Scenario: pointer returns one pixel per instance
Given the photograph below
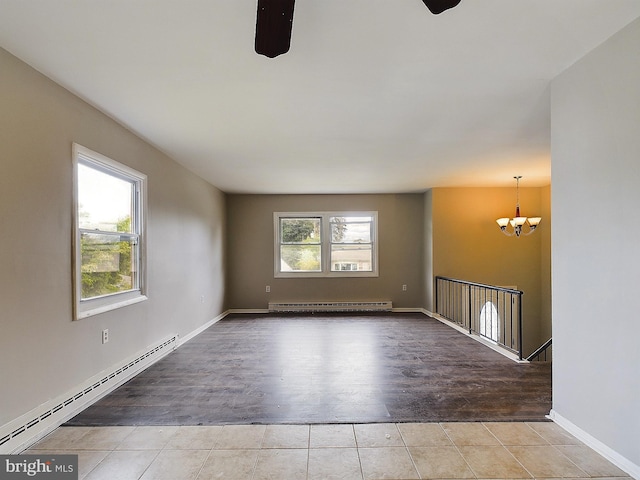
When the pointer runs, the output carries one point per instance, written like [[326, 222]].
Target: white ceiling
[[375, 96]]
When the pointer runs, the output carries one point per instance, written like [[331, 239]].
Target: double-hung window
[[108, 233], [325, 244]]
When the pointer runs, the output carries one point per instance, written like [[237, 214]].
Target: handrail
[[540, 350], [492, 312], [482, 285]]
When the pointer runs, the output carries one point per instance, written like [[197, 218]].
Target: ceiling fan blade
[[274, 22], [439, 6]]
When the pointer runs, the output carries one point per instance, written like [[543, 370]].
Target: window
[[108, 233], [300, 245], [327, 244], [351, 243], [489, 321]]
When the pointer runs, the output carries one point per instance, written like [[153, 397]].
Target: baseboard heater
[[35, 424], [330, 307]]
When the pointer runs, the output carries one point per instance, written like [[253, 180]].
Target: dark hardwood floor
[[328, 368]]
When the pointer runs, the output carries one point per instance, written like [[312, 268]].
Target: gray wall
[[250, 252], [545, 266], [595, 142], [43, 352], [428, 299]]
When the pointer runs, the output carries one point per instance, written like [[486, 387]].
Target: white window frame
[[84, 308], [325, 235]]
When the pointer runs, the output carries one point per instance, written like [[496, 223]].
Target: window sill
[[89, 310]]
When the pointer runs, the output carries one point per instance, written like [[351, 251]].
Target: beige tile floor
[[324, 452]]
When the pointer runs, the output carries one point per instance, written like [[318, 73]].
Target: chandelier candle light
[[518, 221]]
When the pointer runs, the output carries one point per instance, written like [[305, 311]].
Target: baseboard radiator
[[330, 307], [34, 425]]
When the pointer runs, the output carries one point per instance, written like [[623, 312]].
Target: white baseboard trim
[[407, 310], [477, 338], [614, 457], [202, 328], [255, 311]]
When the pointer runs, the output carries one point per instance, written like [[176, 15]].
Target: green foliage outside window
[[301, 257], [338, 229], [300, 239], [106, 262], [300, 230]]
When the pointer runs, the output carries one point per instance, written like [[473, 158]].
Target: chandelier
[[518, 221]]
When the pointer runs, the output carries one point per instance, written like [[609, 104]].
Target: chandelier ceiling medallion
[[518, 221]]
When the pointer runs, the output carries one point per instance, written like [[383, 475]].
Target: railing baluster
[[504, 319], [509, 308], [520, 328], [469, 289], [463, 302]]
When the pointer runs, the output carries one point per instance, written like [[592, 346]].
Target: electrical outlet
[[267, 289], [404, 288], [201, 298], [105, 335]]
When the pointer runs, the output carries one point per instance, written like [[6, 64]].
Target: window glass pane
[[104, 201], [325, 244], [350, 219], [300, 258], [300, 230], [108, 264], [344, 230], [351, 257]]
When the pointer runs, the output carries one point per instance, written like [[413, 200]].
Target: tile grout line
[[506, 447], [555, 447], [308, 449], [260, 448], [406, 447], [96, 443], [475, 475], [509, 451], [355, 439], [203, 463], [149, 466]]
